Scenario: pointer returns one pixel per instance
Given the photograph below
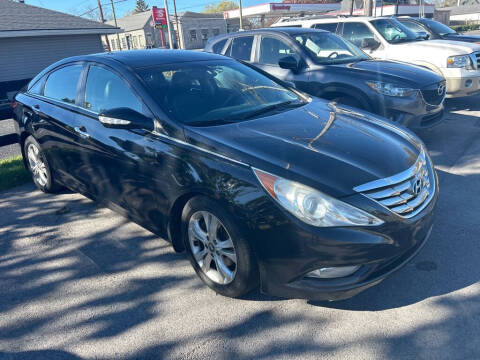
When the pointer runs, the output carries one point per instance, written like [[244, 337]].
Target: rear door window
[[332, 27], [241, 48], [272, 50], [62, 84], [106, 90], [355, 32]]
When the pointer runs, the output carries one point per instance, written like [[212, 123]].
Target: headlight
[[312, 206], [461, 61], [389, 89]]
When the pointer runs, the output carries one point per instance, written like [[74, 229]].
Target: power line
[[104, 4]]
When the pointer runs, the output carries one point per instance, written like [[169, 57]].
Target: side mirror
[[289, 63], [11, 95], [125, 118], [370, 44], [423, 35]]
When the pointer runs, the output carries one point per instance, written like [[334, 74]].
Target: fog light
[[468, 83], [333, 272]]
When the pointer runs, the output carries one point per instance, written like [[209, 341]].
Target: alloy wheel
[[212, 247], [37, 165]]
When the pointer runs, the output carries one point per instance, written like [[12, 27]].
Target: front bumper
[[287, 253], [412, 111], [461, 82]]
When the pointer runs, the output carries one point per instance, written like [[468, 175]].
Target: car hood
[[445, 47], [403, 73], [329, 148], [461, 37]]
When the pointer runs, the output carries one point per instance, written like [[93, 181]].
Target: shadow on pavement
[[40, 259]]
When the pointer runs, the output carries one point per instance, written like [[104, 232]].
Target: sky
[[78, 7]]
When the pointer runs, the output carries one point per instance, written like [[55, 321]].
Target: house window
[[112, 44], [193, 35], [204, 34], [118, 44], [135, 42], [216, 32], [141, 42], [124, 43]]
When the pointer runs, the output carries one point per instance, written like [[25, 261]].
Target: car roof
[[150, 57], [287, 30], [327, 20]]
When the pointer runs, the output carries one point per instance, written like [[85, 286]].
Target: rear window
[[218, 46], [37, 87], [242, 48], [332, 27]]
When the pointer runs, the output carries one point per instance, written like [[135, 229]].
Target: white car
[[386, 38]]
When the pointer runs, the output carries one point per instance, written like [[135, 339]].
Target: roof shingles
[[16, 16]]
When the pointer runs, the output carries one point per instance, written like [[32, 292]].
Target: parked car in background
[[324, 65], [433, 30], [386, 38], [260, 183]]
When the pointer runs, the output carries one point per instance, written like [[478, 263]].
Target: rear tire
[[39, 167], [217, 250]]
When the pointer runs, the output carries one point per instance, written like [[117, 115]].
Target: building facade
[[190, 31], [31, 38]]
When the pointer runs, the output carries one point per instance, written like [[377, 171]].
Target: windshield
[[393, 31], [216, 92], [439, 28], [326, 48]]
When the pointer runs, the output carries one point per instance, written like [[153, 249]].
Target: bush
[[467, 27]]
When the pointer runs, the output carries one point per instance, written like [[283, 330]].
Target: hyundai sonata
[[261, 184]]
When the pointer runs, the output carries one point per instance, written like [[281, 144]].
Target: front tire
[[38, 166], [216, 248]]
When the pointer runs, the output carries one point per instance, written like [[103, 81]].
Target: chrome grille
[[406, 193], [435, 94], [477, 59]]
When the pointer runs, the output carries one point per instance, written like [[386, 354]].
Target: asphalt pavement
[[78, 281]]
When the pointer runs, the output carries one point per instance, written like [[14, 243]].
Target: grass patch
[[13, 173]]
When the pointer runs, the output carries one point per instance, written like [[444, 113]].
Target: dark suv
[[324, 65], [434, 30]]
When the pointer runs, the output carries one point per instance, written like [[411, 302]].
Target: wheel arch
[[331, 92], [174, 226], [21, 140]]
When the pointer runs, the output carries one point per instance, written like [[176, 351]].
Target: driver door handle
[[80, 130]]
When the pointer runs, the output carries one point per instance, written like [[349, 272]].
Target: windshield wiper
[[272, 107], [212, 122]]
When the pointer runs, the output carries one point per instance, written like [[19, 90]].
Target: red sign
[[159, 16]]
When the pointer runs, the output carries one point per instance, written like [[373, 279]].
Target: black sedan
[[258, 182], [434, 30]]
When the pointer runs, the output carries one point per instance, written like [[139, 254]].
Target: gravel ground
[[81, 282]]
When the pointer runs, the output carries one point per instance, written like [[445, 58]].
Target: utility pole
[[179, 36], [352, 2], [367, 7], [100, 11], [102, 20], [115, 22], [241, 20], [170, 40]]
